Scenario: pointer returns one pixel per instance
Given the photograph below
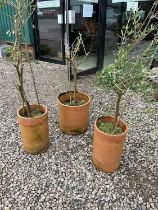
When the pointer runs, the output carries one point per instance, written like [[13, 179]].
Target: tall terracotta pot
[[73, 119], [34, 131], [107, 149]]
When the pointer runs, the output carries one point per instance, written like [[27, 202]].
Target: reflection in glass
[[116, 16], [87, 23], [49, 29]]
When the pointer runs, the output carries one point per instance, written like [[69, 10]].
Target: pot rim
[[28, 118], [74, 106], [112, 135]]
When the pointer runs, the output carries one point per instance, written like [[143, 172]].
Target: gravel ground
[[64, 177]]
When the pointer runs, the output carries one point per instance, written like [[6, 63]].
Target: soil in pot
[[75, 103], [73, 115], [107, 127], [34, 113], [108, 148], [34, 131]]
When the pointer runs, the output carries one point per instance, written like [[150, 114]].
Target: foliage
[[11, 56], [107, 127], [44, 49], [131, 66], [75, 103]]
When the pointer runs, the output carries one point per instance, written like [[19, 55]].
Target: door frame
[[102, 20]]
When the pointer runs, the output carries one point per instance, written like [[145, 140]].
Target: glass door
[[50, 28], [114, 15], [85, 21]]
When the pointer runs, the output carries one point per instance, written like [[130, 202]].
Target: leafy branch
[[130, 69]]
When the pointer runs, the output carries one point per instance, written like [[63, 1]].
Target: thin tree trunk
[[18, 53], [34, 83], [75, 82], [117, 112], [32, 74]]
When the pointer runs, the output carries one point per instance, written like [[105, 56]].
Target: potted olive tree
[[128, 72], [73, 106], [33, 118]]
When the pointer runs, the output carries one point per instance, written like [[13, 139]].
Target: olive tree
[[130, 68]]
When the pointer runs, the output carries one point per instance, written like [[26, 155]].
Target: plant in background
[[72, 58], [131, 67], [8, 52], [44, 49]]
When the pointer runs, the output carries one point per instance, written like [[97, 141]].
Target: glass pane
[[115, 18], [49, 29], [87, 23], [113, 25]]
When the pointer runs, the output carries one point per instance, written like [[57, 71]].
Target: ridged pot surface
[[107, 149], [34, 131], [73, 119]]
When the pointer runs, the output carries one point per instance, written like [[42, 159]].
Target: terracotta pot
[[34, 131], [73, 119], [107, 149]]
